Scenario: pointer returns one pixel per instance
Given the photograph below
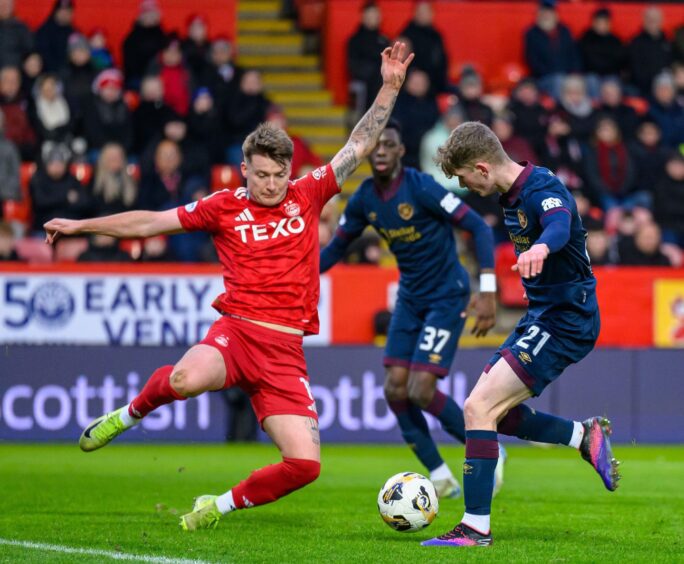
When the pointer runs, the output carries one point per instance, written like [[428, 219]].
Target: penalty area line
[[95, 552]]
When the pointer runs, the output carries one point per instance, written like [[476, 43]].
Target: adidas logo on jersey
[[246, 215]]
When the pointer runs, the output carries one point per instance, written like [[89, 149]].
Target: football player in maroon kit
[[266, 237]]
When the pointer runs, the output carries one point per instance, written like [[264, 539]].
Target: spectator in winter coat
[[9, 168], [77, 78], [55, 192], [196, 47], [175, 76], [550, 50], [151, 115], [649, 52], [101, 56], [15, 109], [648, 155], [51, 114], [665, 110], [603, 54], [428, 46], [53, 35], [362, 56], [113, 189], [143, 43], [530, 118], [16, 40], [107, 118], [668, 208], [204, 125]]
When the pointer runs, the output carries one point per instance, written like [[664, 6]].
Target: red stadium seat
[[33, 250], [132, 99], [20, 211], [510, 287], [68, 250], [134, 171], [640, 105], [83, 172], [225, 176]]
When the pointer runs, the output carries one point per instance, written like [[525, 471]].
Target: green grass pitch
[[127, 499]]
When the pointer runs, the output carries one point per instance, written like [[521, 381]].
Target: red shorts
[[268, 365]]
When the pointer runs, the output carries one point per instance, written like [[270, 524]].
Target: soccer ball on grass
[[408, 502]]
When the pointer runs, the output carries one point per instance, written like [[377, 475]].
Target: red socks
[[156, 392], [275, 481]]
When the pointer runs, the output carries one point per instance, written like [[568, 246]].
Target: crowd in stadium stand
[[606, 116]]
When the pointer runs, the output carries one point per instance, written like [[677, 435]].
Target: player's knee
[[394, 391], [302, 471], [475, 411], [420, 394], [182, 383]]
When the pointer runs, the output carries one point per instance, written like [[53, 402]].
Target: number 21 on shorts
[[529, 338]]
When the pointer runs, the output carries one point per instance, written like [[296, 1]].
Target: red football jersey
[[270, 255]]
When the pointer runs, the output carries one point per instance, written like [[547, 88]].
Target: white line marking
[[93, 552]]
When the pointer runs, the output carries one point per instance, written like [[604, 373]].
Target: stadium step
[[301, 97], [264, 27], [292, 81], [312, 115], [320, 133], [290, 44], [261, 9], [276, 63]]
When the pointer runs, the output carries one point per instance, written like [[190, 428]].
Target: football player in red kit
[[266, 236]]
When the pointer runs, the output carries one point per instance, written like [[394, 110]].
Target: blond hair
[[469, 143]]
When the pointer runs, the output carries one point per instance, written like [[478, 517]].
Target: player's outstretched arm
[[365, 135], [127, 225]]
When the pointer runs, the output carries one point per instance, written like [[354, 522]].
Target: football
[[408, 502]]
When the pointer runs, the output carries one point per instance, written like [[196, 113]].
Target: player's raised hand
[[57, 227], [530, 262], [395, 61], [483, 307]]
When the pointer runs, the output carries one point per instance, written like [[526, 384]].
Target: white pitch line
[[93, 552]]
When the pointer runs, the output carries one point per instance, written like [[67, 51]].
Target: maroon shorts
[[268, 365]]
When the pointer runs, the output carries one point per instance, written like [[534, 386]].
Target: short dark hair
[[469, 143], [395, 124], [269, 140]]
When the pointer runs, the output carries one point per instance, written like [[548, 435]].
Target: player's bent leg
[[495, 393], [415, 431], [298, 439], [202, 368], [422, 392]]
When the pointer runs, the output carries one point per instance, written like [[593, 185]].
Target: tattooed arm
[[365, 135]]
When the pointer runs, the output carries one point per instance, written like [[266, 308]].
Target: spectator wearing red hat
[[107, 118], [52, 37], [196, 47], [175, 76], [143, 43]]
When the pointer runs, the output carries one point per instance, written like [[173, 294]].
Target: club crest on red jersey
[[292, 208], [319, 173]]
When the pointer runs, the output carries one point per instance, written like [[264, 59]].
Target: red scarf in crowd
[[612, 163]]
